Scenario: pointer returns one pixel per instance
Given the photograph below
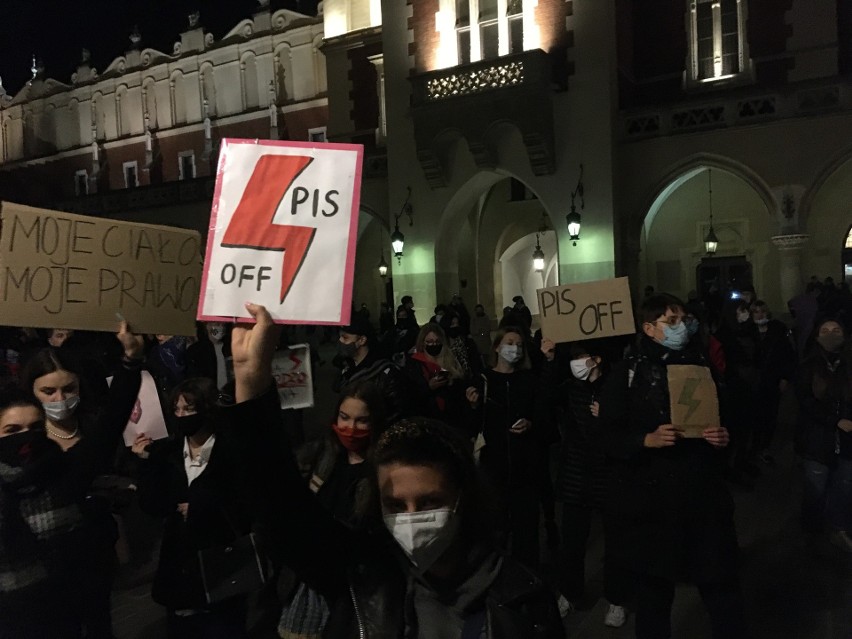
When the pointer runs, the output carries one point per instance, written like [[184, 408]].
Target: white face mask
[[61, 410], [511, 353], [763, 321], [581, 369], [424, 536]]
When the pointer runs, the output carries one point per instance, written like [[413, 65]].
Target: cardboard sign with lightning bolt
[[282, 231], [694, 401]]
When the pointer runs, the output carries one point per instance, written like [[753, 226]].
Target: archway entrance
[[673, 258]]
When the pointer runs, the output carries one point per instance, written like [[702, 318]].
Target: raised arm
[[303, 535]]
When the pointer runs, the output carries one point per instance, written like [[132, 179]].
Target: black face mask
[[188, 425], [433, 349], [347, 350], [21, 448]]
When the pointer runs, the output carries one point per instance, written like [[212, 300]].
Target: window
[[131, 175], [718, 47], [463, 30], [317, 134], [186, 165], [498, 29], [515, 16], [81, 182]]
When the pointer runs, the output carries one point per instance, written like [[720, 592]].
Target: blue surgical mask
[[675, 337]]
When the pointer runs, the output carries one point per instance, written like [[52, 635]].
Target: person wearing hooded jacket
[[427, 567], [672, 512]]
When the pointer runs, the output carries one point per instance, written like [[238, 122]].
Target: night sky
[[57, 30]]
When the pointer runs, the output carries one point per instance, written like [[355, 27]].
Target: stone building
[[486, 124], [139, 140], [488, 109]]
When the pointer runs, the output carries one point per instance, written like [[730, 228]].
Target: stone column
[[790, 263]]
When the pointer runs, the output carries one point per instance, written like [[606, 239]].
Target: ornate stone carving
[[790, 242]]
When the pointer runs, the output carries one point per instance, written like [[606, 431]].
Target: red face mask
[[352, 439]]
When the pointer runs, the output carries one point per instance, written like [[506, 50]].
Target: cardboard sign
[[282, 231], [74, 271], [694, 403], [291, 370], [586, 311], [147, 415]]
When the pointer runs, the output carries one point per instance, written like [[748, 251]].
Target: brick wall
[[424, 48], [550, 17]]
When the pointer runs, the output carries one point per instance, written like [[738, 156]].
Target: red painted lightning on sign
[[251, 225]]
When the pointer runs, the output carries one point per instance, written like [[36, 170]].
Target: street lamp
[[397, 238], [711, 242], [574, 219], [538, 258], [383, 266]]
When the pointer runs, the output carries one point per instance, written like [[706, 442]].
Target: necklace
[[61, 436]]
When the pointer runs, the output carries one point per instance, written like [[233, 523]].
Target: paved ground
[[793, 589]]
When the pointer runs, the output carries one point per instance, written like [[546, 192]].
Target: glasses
[[672, 321]]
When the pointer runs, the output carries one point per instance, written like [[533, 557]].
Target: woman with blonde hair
[[438, 377]]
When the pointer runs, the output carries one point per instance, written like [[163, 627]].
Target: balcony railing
[[478, 77]]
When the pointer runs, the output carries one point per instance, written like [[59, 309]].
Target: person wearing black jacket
[[428, 565], [583, 479], [56, 546], [673, 512], [195, 482], [512, 405], [209, 356], [776, 363], [824, 436], [361, 362]]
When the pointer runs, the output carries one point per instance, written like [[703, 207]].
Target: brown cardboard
[[694, 403], [59, 270], [586, 311]]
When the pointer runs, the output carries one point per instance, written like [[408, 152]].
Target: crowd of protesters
[[419, 511]]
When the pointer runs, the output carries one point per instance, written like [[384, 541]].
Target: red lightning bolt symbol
[[251, 225]]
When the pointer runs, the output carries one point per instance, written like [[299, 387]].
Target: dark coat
[[399, 394], [201, 358], [671, 510], [219, 511], [818, 438], [583, 474], [446, 404], [360, 574]]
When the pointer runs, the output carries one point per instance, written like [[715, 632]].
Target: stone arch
[[284, 73], [464, 245], [208, 88], [746, 215], [826, 172]]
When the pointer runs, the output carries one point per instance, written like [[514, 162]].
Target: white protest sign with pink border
[[283, 230]]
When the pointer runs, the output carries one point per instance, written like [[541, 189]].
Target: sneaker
[[565, 606], [615, 616]]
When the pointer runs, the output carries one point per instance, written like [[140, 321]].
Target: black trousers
[[723, 602], [576, 526]]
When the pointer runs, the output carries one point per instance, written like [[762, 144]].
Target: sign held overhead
[[282, 231], [584, 311]]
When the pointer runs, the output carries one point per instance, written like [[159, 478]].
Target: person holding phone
[[510, 404], [438, 377]]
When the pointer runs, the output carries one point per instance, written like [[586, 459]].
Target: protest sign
[[146, 418], [291, 370], [586, 311], [694, 403], [282, 231], [73, 271]]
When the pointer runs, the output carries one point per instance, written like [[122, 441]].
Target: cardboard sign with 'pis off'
[[588, 310]]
